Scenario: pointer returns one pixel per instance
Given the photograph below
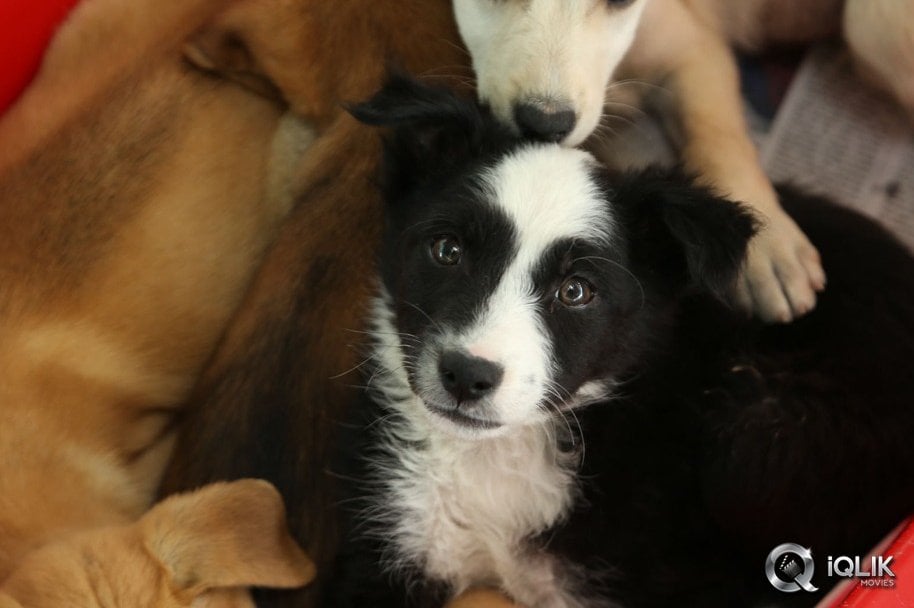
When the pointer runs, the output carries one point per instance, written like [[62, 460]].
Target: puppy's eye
[[618, 3], [446, 250], [575, 291]]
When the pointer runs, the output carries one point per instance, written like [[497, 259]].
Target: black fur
[[435, 133], [728, 437], [737, 437]]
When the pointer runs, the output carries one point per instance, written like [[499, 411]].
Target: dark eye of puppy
[[575, 291], [618, 3], [446, 250]]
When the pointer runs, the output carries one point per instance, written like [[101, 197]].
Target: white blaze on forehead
[[549, 195]]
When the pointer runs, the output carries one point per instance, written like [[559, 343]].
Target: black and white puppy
[[521, 282]]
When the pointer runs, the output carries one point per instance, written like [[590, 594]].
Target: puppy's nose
[[468, 378], [546, 122]]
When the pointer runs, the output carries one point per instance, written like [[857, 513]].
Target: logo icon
[[789, 568]]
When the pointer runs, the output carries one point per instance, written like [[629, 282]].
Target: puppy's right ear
[[683, 232], [226, 535], [432, 129]]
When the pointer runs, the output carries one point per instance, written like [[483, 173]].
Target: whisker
[[382, 333], [634, 109], [353, 368], [630, 82], [380, 420], [625, 120], [556, 389], [425, 314], [462, 50]]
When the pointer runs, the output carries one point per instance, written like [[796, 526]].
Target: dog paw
[[783, 272]]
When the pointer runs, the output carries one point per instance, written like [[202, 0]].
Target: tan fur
[[685, 44], [199, 549], [137, 196], [881, 34], [753, 25]]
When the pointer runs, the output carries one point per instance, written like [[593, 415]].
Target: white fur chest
[[462, 511]]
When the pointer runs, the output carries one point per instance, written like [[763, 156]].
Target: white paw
[[783, 272]]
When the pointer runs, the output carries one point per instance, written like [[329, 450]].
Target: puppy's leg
[[881, 36], [783, 270]]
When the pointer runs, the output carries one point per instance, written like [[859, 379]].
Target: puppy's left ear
[[432, 129], [684, 231], [226, 535]]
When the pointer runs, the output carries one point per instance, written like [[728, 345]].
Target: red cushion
[[26, 27]]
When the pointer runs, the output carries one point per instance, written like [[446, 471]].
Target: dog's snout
[[468, 378], [544, 121]]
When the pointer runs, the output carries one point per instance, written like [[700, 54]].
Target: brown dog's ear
[[224, 53], [222, 48], [226, 535], [279, 51]]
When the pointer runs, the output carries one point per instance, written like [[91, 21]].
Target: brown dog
[[197, 549], [139, 187], [137, 196]]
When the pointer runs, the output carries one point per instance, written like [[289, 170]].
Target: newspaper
[[835, 135]]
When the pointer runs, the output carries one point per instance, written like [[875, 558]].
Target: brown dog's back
[[127, 236]]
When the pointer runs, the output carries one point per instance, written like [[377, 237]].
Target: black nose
[[466, 377], [540, 121]]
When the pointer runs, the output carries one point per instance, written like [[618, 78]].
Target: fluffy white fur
[[522, 50], [461, 510]]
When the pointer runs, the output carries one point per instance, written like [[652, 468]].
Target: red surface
[[902, 595], [26, 27]]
